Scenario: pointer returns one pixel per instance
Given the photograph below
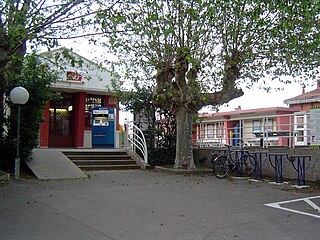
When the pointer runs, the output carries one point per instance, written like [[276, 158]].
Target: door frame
[[300, 129], [56, 136]]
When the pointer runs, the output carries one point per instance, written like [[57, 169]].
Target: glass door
[[300, 129], [61, 124]]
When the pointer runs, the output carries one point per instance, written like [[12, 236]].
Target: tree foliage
[[157, 124], [137, 100], [40, 22], [43, 22], [36, 78], [199, 51], [215, 43]]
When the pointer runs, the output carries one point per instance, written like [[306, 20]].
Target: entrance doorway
[[61, 122]]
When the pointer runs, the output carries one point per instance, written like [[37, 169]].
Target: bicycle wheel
[[245, 166], [221, 166]]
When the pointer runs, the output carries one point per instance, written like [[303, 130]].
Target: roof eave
[[301, 101]]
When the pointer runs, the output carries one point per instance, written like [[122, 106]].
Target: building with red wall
[[292, 126], [249, 125], [306, 120], [306, 100], [81, 86]]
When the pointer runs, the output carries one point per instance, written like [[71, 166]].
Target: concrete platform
[[52, 164]]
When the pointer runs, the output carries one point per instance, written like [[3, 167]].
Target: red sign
[[73, 76]]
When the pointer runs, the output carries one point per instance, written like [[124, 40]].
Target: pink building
[[263, 126], [307, 119], [274, 126], [306, 100]]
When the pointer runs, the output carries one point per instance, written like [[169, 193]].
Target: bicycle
[[238, 160]]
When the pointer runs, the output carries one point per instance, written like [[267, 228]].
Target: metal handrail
[[286, 132], [137, 140]]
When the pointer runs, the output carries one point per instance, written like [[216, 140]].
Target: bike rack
[[278, 164], [277, 161], [260, 161], [229, 151], [238, 153], [301, 167]]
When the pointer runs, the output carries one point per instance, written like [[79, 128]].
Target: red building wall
[[44, 127], [79, 118], [284, 123], [304, 107]]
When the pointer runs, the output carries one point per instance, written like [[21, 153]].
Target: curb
[[182, 171]]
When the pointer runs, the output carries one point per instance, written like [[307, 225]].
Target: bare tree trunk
[[3, 82], [184, 151]]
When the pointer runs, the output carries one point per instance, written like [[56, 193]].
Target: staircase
[[102, 160]]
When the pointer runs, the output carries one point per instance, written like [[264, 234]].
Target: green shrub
[[36, 78]]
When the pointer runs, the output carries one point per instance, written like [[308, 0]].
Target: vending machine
[[103, 127]]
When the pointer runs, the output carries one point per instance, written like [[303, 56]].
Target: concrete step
[[71, 153], [98, 157], [108, 167], [102, 160], [79, 162]]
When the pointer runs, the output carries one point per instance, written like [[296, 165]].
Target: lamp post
[[18, 96]]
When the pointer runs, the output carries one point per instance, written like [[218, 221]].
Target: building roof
[[249, 112], [308, 97], [81, 76]]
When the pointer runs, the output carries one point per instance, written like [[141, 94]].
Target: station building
[[82, 85]]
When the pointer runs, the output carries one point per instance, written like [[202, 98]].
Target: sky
[[253, 98], [258, 98]]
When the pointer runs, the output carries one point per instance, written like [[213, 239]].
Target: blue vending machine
[[103, 127]]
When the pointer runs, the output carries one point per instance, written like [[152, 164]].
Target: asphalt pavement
[[141, 205]]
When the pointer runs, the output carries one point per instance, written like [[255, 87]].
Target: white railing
[[271, 130], [136, 140]]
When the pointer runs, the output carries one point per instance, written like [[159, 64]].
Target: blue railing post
[[260, 159], [278, 165], [301, 171], [278, 168], [301, 167]]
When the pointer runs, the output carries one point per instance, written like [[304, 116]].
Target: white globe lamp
[[18, 96]]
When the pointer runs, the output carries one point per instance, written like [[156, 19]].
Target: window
[[300, 121], [92, 102], [300, 136], [268, 124], [210, 131], [256, 126], [219, 129]]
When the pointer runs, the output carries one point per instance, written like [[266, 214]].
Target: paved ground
[[138, 205]]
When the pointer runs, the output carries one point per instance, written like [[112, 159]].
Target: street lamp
[[18, 96]]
